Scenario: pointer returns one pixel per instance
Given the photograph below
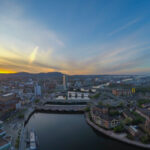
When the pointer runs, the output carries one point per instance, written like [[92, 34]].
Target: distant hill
[[26, 74], [56, 74]]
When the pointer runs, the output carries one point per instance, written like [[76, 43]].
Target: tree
[[121, 104], [21, 116], [142, 101], [87, 109], [127, 121], [37, 101], [100, 103], [138, 119], [129, 136], [96, 96], [113, 112], [108, 105], [119, 128], [145, 139]]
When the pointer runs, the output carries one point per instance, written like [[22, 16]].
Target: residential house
[[133, 130], [100, 117]]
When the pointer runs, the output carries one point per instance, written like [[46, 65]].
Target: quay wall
[[65, 111]]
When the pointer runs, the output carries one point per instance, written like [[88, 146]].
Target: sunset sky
[[75, 36]]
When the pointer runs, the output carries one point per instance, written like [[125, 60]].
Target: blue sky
[[75, 36]]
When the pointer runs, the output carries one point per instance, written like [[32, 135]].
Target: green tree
[[127, 121], [145, 139], [87, 109], [21, 116], [100, 103], [37, 101], [119, 128]]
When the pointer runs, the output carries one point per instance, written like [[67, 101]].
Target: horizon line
[[71, 74]]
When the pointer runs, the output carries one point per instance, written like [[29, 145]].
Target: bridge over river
[[61, 108]]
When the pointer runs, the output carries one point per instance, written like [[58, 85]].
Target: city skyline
[[75, 37]]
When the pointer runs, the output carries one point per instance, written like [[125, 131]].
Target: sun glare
[[6, 71]]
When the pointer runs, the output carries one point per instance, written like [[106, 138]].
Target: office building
[[37, 90]]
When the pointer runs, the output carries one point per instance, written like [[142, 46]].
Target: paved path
[[22, 145]]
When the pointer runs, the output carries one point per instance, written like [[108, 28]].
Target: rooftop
[[3, 142], [8, 94], [105, 116], [133, 128], [144, 111], [1, 131]]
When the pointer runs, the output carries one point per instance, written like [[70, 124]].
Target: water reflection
[[70, 132]]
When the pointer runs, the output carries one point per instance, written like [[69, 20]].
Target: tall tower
[[37, 90], [64, 82]]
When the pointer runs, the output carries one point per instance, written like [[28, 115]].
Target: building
[[133, 90], [101, 109], [8, 102], [84, 89], [147, 126], [72, 95], [100, 117], [147, 105], [133, 130], [5, 141], [146, 114], [1, 124], [65, 82], [78, 84], [143, 112], [121, 92], [5, 144], [2, 132], [129, 115], [37, 90]]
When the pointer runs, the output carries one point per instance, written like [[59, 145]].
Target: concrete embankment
[[115, 136], [28, 116]]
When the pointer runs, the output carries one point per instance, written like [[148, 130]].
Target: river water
[[70, 132]]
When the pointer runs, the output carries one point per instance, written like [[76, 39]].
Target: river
[[70, 132]]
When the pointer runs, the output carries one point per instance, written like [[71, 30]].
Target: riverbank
[[115, 136], [111, 134]]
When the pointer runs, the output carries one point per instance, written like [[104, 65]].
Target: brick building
[[121, 92], [100, 117], [8, 102]]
